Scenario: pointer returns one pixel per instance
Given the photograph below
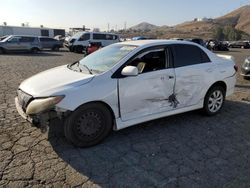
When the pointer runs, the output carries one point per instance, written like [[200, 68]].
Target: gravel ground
[[186, 150]]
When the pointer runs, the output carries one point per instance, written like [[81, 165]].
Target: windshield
[[104, 59], [5, 39]]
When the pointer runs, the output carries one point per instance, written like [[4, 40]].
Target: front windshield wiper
[[85, 66], [78, 65]]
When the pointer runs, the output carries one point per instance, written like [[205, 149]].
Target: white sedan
[[125, 84]]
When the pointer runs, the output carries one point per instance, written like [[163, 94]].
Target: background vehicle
[[197, 41], [245, 69], [93, 46], [239, 44], [53, 44], [216, 45], [3, 37], [20, 43], [80, 41], [125, 84]]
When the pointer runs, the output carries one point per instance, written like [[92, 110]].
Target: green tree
[[218, 33]]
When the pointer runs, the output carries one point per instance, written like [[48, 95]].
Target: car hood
[[54, 81]]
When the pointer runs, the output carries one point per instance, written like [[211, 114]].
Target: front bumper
[[40, 120], [22, 113]]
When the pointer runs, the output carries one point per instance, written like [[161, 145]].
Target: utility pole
[[125, 25]]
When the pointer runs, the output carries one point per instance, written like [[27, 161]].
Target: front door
[[150, 91]]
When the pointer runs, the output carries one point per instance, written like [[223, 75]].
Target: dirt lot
[[187, 150]]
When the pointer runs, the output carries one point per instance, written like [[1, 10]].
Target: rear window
[[185, 55], [99, 36], [47, 39]]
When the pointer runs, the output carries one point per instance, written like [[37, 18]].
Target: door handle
[[170, 77]]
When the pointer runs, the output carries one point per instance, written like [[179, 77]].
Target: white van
[[79, 41]]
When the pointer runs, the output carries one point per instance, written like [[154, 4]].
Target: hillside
[[239, 19], [144, 26]]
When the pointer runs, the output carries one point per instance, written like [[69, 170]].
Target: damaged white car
[[125, 84]]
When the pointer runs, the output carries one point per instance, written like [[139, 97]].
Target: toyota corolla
[[125, 84]]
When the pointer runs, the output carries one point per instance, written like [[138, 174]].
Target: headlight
[[39, 105]]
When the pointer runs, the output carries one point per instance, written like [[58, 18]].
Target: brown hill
[[239, 19]]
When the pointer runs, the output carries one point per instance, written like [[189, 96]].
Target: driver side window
[[14, 39], [151, 60]]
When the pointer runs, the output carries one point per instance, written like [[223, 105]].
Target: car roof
[[157, 42], [22, 36]]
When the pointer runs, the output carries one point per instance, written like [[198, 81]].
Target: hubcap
[[215, 101], [89, 125]]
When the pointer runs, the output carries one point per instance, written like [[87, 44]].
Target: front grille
[[23, 99]]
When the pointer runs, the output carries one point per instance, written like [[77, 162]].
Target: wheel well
[[219, 83], [35, 48], [101, 103]]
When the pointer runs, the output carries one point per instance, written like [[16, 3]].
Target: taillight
[[235, 68]]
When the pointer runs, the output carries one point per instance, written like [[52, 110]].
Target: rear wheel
[[56, 48], [34, 50], [1, 51], [214, 100], [88, 125]]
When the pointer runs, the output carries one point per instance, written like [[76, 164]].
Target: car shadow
[[183, 150], [243, 86]]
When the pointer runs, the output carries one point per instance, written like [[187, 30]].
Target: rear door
[[26, 42], [149, 92], [193, 69]]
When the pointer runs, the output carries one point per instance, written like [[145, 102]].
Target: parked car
[[50, 43], [125, 84], [93, 46], [80, 41], [60, 38], [3, 37], [239, 44], [216, 45], [197, 41], [20, 43], [245, 68]]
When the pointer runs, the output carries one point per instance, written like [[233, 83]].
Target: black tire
[[78, 49], [56, 48], [246, 77], [210, 101], [34, 50], [88, 125], [2, 51]]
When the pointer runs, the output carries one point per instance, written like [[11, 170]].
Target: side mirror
[[130, 71]]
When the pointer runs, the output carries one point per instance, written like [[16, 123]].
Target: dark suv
[[53, 44], [239, 44]]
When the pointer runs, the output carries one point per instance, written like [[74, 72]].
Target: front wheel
[[88, 125], [214, 100]]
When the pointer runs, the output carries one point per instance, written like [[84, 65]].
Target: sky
[[115, 13]]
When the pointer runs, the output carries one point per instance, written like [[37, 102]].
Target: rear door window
[[27, 39], [185, 54], [99, 36]]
